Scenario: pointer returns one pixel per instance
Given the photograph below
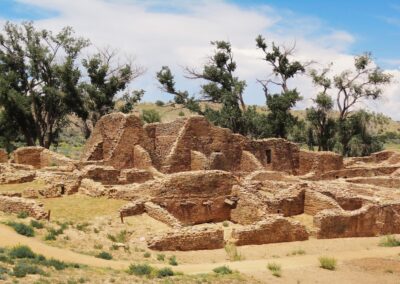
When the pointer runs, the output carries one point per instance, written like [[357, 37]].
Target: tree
[[283, 69], [130, 100], [39, 80], [107, 77], [222, 86], [365, 81]]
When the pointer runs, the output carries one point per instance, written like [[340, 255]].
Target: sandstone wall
[[157, 212], [28, 156], [272, 230], [360, 172], [315, 202], [385, 181], [319, 162], [370, 220], [3, 156], [17, 205], [188, 239]]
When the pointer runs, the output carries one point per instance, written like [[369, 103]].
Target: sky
[[177, 33]]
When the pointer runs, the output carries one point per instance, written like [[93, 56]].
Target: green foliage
[[140, 269], [275, 269], [21, 269], [53, 233], [22, 252], [36, 95], [121, 237], [22, 215], [37, 224], [147, 254], [22, 229], [165, 272], [328, 263], [172, 260], [150, 116], [161, 257], [223, 270], [130, 100], [181, 113], [160, 103], [104, 255], [390, 241]]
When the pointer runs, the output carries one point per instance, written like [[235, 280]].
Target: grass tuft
[[275, 269], [389, 241], [328, 263], [223, 270]]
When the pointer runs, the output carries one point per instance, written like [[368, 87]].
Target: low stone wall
[[385, 181], [370, 220], [315, 202], [271, 230], [134, 176], [18, 204], [103, 174], [157, 212], [132, 209], [188, 239], [360, 172], [3, 156], [319, 162]]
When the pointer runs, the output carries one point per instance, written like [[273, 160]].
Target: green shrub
[[146, 254], [160, 103], [172, 261], [23, 215], [37, 224], [22, 269], [275, 269], [150, 116], [161, 257], [57, 264], [222, 270], [22, 252], [140, 269], [389, 241], [22, 229], [225, 224], [82, 226], [53, 233], [121, 237], [327, 263], [104, 255], [165, 272], [181, 113]]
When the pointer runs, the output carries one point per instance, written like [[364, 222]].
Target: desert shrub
[[150, 116], [82, 226], [161, 257], [121, 237], [298, 252], [22, 252], [222, 270], [53, 233], [327, 263], [37, 224], [22, 229], [104, 255], [3, 272], [172, 261], [181, 113], [22, 269], [389, 241], [275, 269], [165, 272], [23, 215], [233, 253], [98, 246], [146, 254], [225, 224], [160, 103], [140, 269], [57, 264]]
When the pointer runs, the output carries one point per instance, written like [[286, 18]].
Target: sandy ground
[[360, 260]]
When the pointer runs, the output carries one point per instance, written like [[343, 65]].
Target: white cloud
[[178, 34]]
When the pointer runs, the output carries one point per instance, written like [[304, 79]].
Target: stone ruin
[[189, 173]]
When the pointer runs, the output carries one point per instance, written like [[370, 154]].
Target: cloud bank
[[178, 34]]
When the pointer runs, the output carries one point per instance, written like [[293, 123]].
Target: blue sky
[[177, 33]]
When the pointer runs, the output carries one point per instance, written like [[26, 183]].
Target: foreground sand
[[360, 260]]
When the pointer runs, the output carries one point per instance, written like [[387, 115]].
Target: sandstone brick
[[17, 205], [3, 156]]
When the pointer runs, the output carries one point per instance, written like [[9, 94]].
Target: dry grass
[[80, 208], [19, 187]]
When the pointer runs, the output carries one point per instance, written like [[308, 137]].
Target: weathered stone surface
[[315, 202], [17, 205], [9, 174], [385, 181], [370, 220], [188, 239], [274, 229], [134, 176], [132, 208], [360, 172], [319, 162], [160, 214], [39, 157], [3, 156], [103, 174], [92, 188]]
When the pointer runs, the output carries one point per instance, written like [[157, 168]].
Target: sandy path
[[10, 238]]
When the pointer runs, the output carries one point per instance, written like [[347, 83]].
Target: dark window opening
[[268, 156]]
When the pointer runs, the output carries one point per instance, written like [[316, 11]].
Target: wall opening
[[268, 156]]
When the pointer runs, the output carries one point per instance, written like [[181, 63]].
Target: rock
[[17, 205]]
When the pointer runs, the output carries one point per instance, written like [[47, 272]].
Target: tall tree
[[283, 69], [107, 77], [365, 81], [222, 86], [39, 80]]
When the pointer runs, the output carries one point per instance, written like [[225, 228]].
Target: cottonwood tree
[[222, 86], [107, 78], [365, 81], [279, 118], [39, 80]]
